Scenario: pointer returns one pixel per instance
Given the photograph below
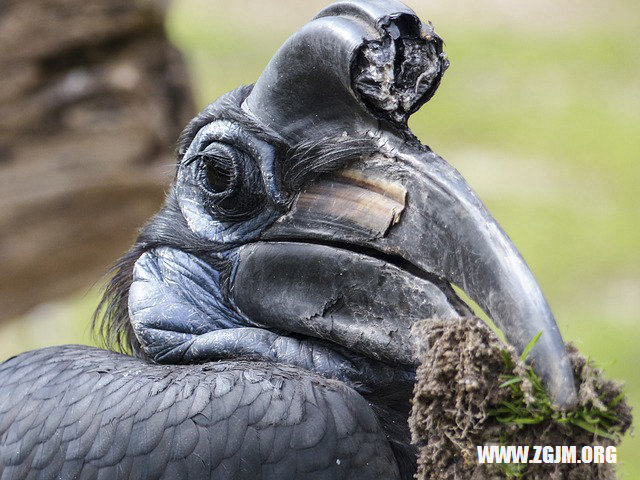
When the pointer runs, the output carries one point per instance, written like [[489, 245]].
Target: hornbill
[[269, 304]]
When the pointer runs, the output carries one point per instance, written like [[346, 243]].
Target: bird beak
[[403, 205]]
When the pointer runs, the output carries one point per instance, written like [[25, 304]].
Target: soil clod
[[472, 390]]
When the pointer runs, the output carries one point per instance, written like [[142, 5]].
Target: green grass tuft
[[534, 406]]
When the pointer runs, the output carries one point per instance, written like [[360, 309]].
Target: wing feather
[[75, 412]]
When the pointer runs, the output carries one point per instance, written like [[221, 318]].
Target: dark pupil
[[219, 174]]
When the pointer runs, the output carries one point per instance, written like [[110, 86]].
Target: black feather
[[315, 156], [172, 424]]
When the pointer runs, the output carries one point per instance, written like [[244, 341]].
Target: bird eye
[[219, 180], [218, 177], [228, 182], [219, 169]]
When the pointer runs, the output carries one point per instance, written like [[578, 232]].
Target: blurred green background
[[540, 112]]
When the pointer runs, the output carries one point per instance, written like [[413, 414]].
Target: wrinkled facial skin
[[307, 225]]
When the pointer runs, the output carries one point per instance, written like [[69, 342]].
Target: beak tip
[[563, 393], [555, 370]]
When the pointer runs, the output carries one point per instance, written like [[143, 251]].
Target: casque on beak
[[360, 69]]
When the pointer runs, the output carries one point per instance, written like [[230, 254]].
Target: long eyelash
[[313, 157]]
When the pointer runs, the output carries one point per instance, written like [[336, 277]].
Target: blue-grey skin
[[305, 233]]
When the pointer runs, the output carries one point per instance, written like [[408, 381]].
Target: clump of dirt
[[460, 400]]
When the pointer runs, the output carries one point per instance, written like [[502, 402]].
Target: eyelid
[[227, 159], [221, 152], [222, 145], [199, 155]]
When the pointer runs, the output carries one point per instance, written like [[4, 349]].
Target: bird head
[[305, 207]]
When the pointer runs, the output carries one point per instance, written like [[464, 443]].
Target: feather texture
[[80, 412]]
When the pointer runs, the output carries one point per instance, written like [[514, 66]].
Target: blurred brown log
[[92, 100]]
